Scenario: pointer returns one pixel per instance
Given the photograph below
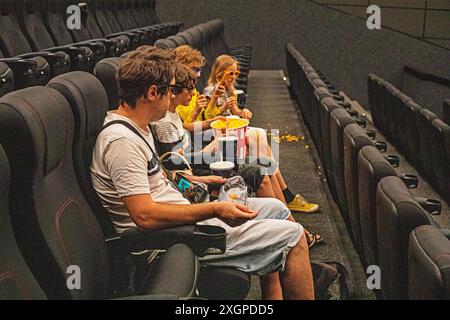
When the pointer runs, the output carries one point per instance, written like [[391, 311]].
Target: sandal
[[313, 238]]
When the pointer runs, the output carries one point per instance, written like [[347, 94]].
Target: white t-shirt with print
[[123, 166]]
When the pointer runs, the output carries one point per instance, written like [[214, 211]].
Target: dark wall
[[338, 44]]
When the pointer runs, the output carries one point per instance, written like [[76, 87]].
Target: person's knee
[[266, 184], [276, 209]]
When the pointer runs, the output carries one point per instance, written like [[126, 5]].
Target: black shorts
[[250, 173]]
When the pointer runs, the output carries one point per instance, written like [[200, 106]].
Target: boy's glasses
[[176, 89], [198, 71]]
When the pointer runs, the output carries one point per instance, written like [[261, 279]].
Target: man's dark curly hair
[[142, 69]]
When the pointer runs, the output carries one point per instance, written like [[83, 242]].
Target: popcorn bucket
[[233, 127]]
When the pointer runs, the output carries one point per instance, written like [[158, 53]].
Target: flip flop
[[313, 238]]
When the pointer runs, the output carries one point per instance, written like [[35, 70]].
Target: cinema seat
[[106, 71], [325, 108], [16, 280], [339, 120], [440, 154], [425, 119], [412, 149], [68, 57], [84, 34], [372, 167], [398, 213], [98, 26], [355, 138], [429, 264], [53, 12], [53, 224], [29, 68]]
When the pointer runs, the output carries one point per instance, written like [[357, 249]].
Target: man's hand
[[233, 214], [246, 114], [208, 179]]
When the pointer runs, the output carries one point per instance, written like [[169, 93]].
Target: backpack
[[331, 281]]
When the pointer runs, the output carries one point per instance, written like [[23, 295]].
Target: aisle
[[273, 108]]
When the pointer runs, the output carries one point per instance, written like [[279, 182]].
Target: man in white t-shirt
[[131, 184]]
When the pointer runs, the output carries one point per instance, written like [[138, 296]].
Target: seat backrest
[[355, 138], [128, 14], [110, 8], [440, 153], [89, 103], [165, 44], [446, 111], [121, 17], [52, 219], [33, 26], [425, 119], [150, 11], [324, 105], [81, 34], [137, 13], [372, 167], [411, 132], [429, 264], [16, 280], [339, 119], [101, 17], [12, 41], [91, 23], [398, 213], [54, 12], [106, 72], [6, 79]]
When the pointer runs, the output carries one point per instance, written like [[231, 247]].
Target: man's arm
[[150, 215]]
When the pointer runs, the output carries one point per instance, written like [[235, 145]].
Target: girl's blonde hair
[[219, 67]]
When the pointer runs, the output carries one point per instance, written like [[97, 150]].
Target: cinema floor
[[269, 98]]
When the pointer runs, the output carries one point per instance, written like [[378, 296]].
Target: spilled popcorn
[[288, 138]]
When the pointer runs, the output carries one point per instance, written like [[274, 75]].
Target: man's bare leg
[[271, 287], [296, 280]]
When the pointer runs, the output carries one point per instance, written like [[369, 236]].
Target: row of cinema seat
[[51, 219], [379, 208], [36, 44], [417, 132], [209, 38]]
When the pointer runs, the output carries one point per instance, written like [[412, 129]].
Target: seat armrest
[[93, 44], [203, 240], [53, 58], [446, 233], [71, 50], [432, 206], [21, 66]]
